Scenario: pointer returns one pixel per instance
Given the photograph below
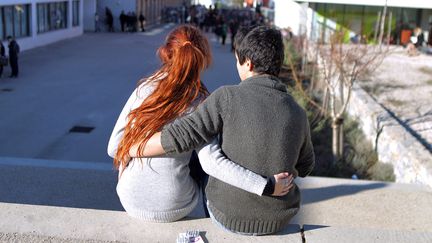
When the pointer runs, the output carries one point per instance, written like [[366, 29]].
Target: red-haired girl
[[160, 189]]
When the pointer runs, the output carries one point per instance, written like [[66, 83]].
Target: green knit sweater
[[264, 130]]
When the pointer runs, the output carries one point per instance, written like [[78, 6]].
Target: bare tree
[[338, 66]]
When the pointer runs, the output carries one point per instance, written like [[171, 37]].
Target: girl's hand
[[284, 182]]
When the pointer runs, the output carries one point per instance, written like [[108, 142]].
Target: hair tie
[[186, 42]]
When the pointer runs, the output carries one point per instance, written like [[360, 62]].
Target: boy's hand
[[283, 183]]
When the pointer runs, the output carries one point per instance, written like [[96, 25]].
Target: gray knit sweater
[[264, 130], [160, 189]]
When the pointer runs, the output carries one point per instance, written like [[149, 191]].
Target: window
[[51, 16], [75, 13], [15, 21], [354, 18], [8, 21]]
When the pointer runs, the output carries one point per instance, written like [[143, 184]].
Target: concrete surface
[[393, 85], [83, 81], [58, 201], [70, 224], [314, 233], [39, 184], [365, 204]]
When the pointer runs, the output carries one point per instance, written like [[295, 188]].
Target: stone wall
[[394, 143]]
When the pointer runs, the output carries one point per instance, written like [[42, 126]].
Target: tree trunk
[[389, 28], [377, 26], [383, 16], [337, 139]]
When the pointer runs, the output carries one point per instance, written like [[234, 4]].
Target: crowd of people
[[129, 22], [222, 22]]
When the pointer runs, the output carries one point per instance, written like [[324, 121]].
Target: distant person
[[355, 39], [430, 35], [134, 21], [290, 33], [96, 19], [142, 20], [233, 26], [14, 50], [224, 31], [418, 33], [3, 58], [109, 19], [123, 21]]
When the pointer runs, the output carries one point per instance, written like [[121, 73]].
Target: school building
[[39, 22], [362, 17], [36, 23]]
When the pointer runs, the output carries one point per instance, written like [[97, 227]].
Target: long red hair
[[185, 54]]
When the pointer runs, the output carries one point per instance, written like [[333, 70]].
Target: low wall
[[395, 145]]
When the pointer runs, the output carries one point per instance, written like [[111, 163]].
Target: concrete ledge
[[100, 225], [64, 202], [394, 143], [314, 233]]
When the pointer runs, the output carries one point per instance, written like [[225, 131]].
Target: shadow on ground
[[313, 195], [77, 188]]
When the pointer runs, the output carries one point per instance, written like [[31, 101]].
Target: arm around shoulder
[[197, 128]]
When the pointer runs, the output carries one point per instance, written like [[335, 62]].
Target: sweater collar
[[265, 80]]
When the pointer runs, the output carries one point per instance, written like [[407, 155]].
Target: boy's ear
[[249, 65]]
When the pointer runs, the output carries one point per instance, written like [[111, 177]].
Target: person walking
[[234, 25], [3, 58], [96, 19], [142, 20], [123, 21], [224, 30], [14, 50], [109, 19]]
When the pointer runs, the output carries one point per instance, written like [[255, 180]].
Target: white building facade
[[363, 16], [151, 9], [36, 23], [320, 18]]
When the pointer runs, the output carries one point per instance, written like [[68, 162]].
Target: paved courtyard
[[83, 82], [403, 85]]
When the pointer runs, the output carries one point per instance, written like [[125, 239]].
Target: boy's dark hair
[[240, 35], [263, 46]]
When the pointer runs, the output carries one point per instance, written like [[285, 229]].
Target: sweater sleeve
[[135, 99], [216, 164], [197, 128], [306, 161]]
